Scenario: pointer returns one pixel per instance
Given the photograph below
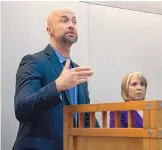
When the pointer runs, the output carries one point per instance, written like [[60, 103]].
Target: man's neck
[[64, 49]]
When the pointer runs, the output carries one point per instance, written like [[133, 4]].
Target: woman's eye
[[74, 22], [142, 84], [134, 84]]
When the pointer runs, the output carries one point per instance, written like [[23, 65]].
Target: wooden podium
[[104, 138]]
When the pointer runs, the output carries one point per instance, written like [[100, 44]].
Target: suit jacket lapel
[[56, 63], [81, 99]]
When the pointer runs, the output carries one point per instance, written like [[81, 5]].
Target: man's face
[[137, 89], [64, 27]]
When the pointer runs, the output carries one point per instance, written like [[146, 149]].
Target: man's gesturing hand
[[71, 77]]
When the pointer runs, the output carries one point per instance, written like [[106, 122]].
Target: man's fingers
[[84, 73], [81, 69]]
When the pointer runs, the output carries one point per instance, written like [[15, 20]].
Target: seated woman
[[133, 88]]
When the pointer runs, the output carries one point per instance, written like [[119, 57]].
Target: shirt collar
[[59, 55]]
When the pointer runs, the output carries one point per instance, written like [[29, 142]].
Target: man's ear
[[49, 30]]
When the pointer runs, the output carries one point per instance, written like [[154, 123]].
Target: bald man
[[45, 82]]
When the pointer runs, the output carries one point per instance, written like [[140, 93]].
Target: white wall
[[143, 6], [122, 41], [112, 41]]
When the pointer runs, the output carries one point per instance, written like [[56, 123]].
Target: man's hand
[[71, 77]]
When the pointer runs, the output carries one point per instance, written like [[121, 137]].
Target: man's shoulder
[[40, 55], [37, 56]]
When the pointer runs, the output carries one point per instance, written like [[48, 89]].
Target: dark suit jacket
[[38, 106], [137, 120]]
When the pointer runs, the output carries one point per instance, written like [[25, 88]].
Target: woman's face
[[136, 89]]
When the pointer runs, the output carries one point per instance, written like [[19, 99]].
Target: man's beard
[[69, 40]]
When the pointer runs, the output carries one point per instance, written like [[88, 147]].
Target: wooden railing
[[147, 138]]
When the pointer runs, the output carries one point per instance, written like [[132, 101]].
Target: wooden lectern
[[104, 138]]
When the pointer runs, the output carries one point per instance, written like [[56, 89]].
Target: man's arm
[[87, 116], [31, 99]]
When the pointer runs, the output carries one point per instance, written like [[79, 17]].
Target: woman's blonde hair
[[125, 83]]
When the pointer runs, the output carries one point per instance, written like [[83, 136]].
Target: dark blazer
[[38, 107], [137, 119]]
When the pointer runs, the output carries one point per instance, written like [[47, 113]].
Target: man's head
[[61, 26]]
